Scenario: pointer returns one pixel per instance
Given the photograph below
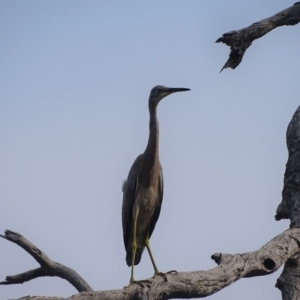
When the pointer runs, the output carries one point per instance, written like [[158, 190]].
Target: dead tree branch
[[240, 40], [196, 284], [289, 208], [48, 267]]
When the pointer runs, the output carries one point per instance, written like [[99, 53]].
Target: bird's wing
[[129, 192], [160, 199]]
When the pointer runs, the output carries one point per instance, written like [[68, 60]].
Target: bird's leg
[[134, 248], [147, 244], [156, 272], [134, 244]]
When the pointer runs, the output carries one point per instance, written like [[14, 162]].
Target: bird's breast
[[146, 202], [146, 198]]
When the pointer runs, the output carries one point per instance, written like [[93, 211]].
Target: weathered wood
[[48, 267], [240, 40], [289, 208], [289, 280], [200, 284]]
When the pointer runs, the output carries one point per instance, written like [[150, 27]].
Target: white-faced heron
[[143, 190]]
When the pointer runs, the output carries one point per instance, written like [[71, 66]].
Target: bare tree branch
[[239, 41], [48, 267], [196, 284], [23, 277]]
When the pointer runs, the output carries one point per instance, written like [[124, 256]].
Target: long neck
[[151, 153]]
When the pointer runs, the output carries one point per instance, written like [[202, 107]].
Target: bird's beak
[[175, 90]]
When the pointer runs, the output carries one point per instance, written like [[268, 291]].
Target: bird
[[143, 190]]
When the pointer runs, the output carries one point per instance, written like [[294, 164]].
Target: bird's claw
[[172, 271], [141, 283], [163, 275]]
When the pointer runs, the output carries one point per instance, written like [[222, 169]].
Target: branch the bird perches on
[[195, 284]]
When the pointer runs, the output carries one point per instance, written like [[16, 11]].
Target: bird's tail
[[138, 255]]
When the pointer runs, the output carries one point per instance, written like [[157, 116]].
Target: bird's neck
[[151, 153]]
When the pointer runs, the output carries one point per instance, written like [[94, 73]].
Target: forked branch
[[196, 284], [47, 266], [240, 40]]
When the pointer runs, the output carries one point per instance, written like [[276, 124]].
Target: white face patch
[[124, 185]]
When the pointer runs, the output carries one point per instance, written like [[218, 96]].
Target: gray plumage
[[143, 189], [149, 200]]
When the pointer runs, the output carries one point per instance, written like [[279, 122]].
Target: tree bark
[[289, 281], [289, 208], [196, 284], [240, 40]]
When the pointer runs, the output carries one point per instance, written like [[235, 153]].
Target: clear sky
[[75, 78]]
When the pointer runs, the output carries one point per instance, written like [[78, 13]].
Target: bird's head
[[159, 92]]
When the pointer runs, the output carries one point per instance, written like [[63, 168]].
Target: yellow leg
[[134, 247], [156, 272], [147, 244]]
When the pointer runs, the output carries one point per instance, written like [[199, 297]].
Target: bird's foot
[[164, 275], [172, 271], [141, 283]]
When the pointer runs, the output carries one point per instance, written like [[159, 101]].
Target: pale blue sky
[[74, 84]]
